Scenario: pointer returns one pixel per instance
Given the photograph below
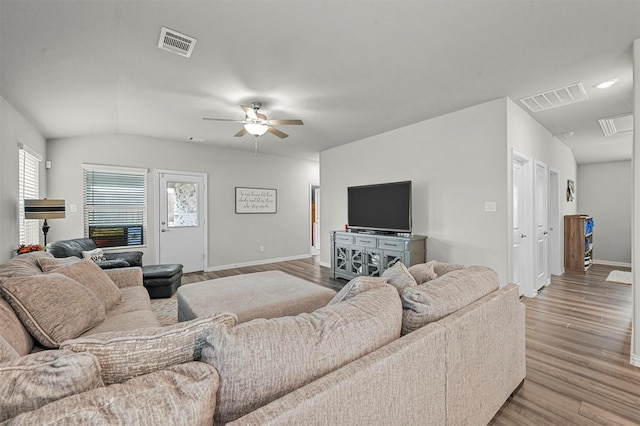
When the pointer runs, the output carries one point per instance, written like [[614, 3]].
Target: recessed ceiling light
[[606, 84]]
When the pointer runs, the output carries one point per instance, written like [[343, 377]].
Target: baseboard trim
[[326, 264], [257, 262], [609, 263], [635, 360]]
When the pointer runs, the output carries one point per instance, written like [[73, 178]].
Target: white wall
[[234, 239], [14, 130], [605, 193], [529, 138], [456, 163]]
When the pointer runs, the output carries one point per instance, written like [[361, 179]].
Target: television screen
[[381, 207]]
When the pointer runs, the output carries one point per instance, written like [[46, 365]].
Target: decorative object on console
[[22, 248], [44, 209]]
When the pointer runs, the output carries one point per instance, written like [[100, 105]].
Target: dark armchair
[[75, 247]]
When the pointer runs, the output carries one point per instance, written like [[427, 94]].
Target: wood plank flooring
[[578, 344]]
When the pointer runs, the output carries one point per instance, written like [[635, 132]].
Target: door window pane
[[182, 204]]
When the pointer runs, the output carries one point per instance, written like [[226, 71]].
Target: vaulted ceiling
[[348, 69]]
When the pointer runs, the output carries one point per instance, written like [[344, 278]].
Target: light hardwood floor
[[578, 337]]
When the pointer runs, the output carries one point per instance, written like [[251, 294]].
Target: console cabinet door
[[390, 258], [341, 256]]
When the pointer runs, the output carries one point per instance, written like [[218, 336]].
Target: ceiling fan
[[257, 124]]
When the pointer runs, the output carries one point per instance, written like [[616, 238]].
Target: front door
[[182, 220]]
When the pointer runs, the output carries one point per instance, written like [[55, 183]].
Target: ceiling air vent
[[618, 124], [175, 42], [556, 98]]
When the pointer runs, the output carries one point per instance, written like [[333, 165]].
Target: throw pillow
[[356, 286], [35, 380], [263, 359], [126, 354], [97, 255], [399, 277], [53, 307], [446, 294], [90, 275], [13, 331], [442, 268], [184, 394], [423, 272], [7, 352], [48, 264]]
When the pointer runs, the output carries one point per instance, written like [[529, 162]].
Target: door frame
[[527, 285], [204, 203], [313, 249]]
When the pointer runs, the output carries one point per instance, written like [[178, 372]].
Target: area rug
[[166, 310], [622, 277]]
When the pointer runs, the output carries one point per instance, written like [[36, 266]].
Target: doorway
[[315, 219], [182, 226]]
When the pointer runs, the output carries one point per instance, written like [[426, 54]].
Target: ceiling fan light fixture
[[256, 129]]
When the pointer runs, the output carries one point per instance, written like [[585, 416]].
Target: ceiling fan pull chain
[[256, 145]]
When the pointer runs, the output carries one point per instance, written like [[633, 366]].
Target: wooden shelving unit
[[578, 243]]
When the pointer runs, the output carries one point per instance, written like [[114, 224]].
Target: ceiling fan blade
[[261, 116], [286, 122], [249, 111], [241, 133], [224, 119], [277, 132]]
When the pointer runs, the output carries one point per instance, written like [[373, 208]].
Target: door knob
[[545, 233], [164, 230], [523, 235]]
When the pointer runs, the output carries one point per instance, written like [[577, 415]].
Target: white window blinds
[[28, 187], [115, 205]]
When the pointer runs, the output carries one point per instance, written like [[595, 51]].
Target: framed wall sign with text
[[255, 200]]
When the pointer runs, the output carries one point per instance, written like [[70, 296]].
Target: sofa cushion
[[123, 355], [399, 277], [48, 264], [356, 286], [263, 359], [53, 307], [97, 255], [423, 272], [37, 379], [7, 352], [22, 265], [446, 294], [90, 275], [13, 331], [443, 268], [183, 394]]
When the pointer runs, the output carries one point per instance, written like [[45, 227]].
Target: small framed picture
[[255, 200], [571, 190]]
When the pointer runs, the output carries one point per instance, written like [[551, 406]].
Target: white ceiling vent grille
[[175, 42], [556, 98], [618, 124]]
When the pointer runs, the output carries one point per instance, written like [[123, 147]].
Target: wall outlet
[[490, 206], [261, 248]]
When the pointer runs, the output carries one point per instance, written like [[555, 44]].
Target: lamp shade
[[44, 209]]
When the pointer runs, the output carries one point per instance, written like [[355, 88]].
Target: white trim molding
[[610, 263], [257, 262]]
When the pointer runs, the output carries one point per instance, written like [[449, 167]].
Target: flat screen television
[[382, 207]]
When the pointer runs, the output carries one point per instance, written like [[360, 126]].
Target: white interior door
[[182, 222], [518, 252], [555, 232], [542, 224]]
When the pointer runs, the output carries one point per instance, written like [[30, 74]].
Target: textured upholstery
[[22, 265], [263, 359], [13, 331], [269, 294], [88, 274], [53, 307], [127, 354], [35, 380], [75, 247], [48, 264], [423, 272], [7, 352], [162, 280], [182, 394], [399, 277], [446, 294], [356, 286], [400, 384]]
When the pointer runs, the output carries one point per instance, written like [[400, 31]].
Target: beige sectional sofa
[[448, 348]]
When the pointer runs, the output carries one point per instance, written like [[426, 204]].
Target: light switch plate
[[490, 206]]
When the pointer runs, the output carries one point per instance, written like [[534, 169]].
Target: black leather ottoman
[[161, 280]]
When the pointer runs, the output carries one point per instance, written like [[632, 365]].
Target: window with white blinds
[[28, 187], [115, 205]]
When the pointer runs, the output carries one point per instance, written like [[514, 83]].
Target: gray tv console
[[354, 254]]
